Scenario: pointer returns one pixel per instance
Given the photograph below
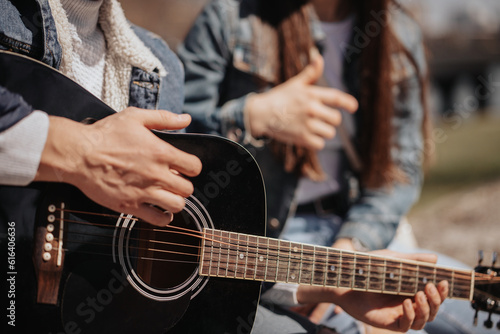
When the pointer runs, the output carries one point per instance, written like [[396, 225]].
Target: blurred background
[[459, 210]]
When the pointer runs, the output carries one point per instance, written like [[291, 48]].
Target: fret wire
[[313, 268], [362, 272], [246, 257], [203, 242], [317, 258], [301, 261], [400, 274], [256, 258], [340, 268], [238, 252], [211, 257], [277, 263], [212, 269], [385, 272], [326, 266], [259, 262], [309, 267], [228, 255], [289, 262], [220, 254], [353, 271], [416, 285], [369, 272], [435, 271], [237, 255], [267, 260], [379, 270], [452, 282], [236, 258]]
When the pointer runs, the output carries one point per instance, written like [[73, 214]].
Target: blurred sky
[[441, 17]]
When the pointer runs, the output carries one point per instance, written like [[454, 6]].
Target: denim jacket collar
[[255, 44], [30, 29]]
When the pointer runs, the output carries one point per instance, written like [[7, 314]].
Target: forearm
[[62, 155]]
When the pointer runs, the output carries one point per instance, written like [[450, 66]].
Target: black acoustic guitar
[[76, 267]]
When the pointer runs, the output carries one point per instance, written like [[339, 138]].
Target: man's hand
[[299, 112], [119, 163]]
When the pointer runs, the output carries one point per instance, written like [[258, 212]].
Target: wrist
[[61, 156], [254, 114], [251, 137]]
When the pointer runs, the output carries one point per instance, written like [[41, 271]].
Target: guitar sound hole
[[166, 257]]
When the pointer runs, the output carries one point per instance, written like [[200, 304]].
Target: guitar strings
[[230, 263], [484, 277], [341, 282], [276, 254], [327, 282], [230, 239], [131, 257]]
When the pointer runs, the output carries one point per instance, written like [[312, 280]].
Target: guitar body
[[117, 274]]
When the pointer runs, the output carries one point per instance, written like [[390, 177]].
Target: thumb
[[164, 120], [312, 72]]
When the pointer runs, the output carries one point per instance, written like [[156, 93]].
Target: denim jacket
[[223, 67], [28, 28]]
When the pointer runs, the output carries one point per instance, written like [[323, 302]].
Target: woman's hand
[[297, 111]]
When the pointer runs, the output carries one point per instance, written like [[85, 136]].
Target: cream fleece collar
[[124, 50]]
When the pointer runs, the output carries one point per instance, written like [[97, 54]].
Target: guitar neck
[[242, 256]]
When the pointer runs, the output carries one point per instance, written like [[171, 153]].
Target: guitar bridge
[[49, 255]]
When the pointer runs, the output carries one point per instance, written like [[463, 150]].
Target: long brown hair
[[291, 19], [376, 95]]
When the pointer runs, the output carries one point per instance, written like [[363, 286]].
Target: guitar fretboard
[[243, 256]]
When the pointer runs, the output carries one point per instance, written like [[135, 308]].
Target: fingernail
[[183, 117], [314, 53]]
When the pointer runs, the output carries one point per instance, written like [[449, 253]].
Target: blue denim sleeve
[[374, 218], [13, 108], [206, 53], [171, 90]]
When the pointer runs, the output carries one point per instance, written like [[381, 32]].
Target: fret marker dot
[[261, 258], [424, 279], [293, 276], [332, 268], [295, 249], [391, 275], [361, 271], [242, 256]]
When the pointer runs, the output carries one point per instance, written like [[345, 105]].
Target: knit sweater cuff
[[23, 145]]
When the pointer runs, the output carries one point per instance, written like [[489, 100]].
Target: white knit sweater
[[89, 45]]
